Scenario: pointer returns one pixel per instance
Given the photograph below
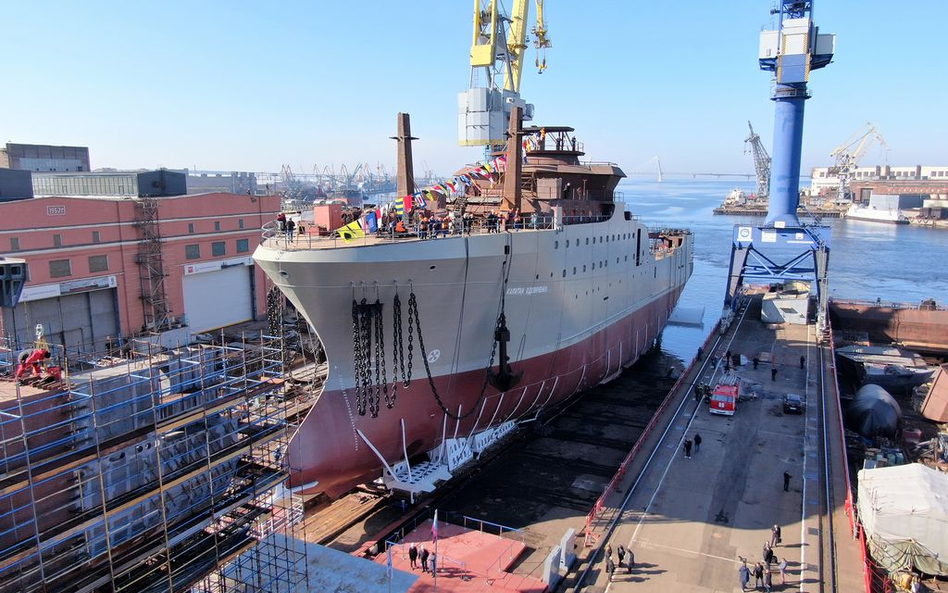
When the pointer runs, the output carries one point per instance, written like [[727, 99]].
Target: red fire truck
[[724, 396]]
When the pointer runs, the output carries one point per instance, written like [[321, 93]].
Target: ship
[[872, 214], [438, 347]]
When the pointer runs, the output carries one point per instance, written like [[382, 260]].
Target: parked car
[[793, 404]]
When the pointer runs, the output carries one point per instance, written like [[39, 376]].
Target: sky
[[252, 86]]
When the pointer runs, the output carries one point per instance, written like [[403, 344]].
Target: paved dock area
[[691, 521]]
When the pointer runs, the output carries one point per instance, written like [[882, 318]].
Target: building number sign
[[55, 211]]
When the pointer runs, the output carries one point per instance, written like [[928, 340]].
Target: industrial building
[[825, 179], [231, 182], [43, 157], [160, 182], [107, 267]]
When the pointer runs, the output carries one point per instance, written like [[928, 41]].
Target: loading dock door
[[81, 321], [215, 299]]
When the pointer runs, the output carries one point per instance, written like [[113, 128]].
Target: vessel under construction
[[438, 347]]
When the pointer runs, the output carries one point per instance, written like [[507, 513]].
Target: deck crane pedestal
[[497, 56], [791, 52]]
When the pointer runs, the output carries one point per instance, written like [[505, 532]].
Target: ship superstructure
[[437, 347]]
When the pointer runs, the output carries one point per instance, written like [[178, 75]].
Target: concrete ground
[[690, 522]]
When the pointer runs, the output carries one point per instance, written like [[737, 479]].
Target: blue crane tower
[[791, 51]]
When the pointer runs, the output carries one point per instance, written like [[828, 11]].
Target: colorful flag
[[351, 231], [371, 221], [434, 527]]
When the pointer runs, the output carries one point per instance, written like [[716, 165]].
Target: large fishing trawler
[[438, 347]]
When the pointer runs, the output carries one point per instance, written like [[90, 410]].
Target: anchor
[[505, 378]]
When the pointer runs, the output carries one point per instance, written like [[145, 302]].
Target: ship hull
[[581, 303]]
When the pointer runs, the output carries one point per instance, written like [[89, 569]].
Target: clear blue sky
[[252, 85]]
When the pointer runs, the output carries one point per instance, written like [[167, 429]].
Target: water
[[899, 263]]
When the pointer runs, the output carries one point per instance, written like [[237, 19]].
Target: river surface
[[901, 263]]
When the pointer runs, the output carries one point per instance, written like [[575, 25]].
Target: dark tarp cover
[[873, 412]]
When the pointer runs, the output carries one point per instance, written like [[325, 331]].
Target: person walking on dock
[[413, 556], [424, 559], [631, 560], [610, 567], [768, 579], [608, 550], [687, 448], [783, 571], [621, 552], [802, 362], [756, 362], [773, 374], [745, 575], [786, 481], [434, 563], [758, 575], [774, 535], [697, 443]]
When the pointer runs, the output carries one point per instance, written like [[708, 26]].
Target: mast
[[513, 189], [406, 172]]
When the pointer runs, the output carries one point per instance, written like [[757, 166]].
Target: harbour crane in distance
[[847, 157], [761, 162], [498, 50]]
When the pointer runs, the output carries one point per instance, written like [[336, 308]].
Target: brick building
[[104, 268]]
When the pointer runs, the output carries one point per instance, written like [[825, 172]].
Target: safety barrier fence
[[287, 240], [854, 526], [614, 484]]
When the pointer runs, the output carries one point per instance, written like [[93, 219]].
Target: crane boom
[[847, 157], [761, 162]]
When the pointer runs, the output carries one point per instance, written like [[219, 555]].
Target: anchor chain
[[414, 315]]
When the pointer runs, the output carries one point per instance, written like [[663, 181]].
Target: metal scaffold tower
[[151, 266], [161, 473]]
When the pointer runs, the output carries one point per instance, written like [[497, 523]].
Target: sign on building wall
[[56, 210]]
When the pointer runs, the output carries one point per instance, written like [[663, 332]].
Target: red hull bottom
[[327, 447]]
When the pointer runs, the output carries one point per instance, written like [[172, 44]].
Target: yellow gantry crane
[[497, 56]]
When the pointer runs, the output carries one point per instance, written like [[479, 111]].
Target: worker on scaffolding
[[31, 359]]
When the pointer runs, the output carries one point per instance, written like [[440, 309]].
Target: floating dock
[[692, 521]]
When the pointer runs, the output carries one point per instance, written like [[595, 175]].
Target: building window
[[95, 237], [243, 245], [58, 241], [240, 223], [14, 243], [59, 268], [218, 248], [191, 228], [217, 225], [192, 251], [98, 263]]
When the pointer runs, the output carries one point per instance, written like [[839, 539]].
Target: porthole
[[574, 271], [556, 244], [584, 267], [564, 272], [587, 240]]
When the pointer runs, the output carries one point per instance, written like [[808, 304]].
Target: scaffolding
[[151, 270], [158, 473]]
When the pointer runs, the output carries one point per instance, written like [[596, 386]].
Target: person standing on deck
[[424, 559], [774, 535], [697, 443], [786, 481], [687, 448], [745, 575], [773, 374], [413, 556]]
